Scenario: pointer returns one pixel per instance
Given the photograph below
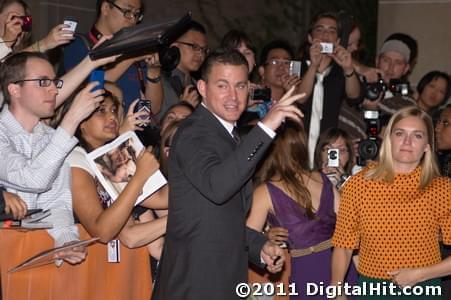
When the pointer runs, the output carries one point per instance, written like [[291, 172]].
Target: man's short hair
[[276, 44], [13, 69], [222, 56], [100, 2], [325, 15], [196, 26]]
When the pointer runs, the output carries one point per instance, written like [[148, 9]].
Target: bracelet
[[350, 75], [154, 80]]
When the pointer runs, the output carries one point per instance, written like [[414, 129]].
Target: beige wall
[[429, 22]]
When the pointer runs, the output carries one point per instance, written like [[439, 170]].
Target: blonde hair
[[385, 169]]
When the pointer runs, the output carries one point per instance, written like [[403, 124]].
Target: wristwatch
[[154, 80]]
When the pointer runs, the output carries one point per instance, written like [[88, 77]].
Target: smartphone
[[97, 75], [295, 68], [333, 157], [261, 94], [327, 48], [72, 23], [143, 105]]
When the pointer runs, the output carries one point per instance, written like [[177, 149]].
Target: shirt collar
[[14, 126], [227, 125]]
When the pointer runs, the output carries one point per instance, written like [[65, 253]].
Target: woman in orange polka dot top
[[396, 211]]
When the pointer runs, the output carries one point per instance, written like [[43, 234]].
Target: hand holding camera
[[289, 81], [133, 119], [58, 35], [14, 26], [343, 58]]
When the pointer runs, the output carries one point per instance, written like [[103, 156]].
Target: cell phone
[[261, 94], [327, 48], [26, 23], [295, 68], [97, 75], [72, 23], [143, 105], [333, 157]]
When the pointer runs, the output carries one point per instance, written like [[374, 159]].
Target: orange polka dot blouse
[[395, 225]]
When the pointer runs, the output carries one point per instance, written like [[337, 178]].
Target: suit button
[[246, 248]]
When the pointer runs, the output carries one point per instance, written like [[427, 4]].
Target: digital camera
[[369, 148], [373, 90], [333, 158]]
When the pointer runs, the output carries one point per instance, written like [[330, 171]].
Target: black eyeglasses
[[44, 82], [196, 47], [129, 14]]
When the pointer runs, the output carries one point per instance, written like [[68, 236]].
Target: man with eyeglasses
[[179, 85], [138, 77], [32, 162], [328, 80], [275, 59]]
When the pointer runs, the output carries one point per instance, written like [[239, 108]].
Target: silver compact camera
[[327, 48], [333, 156]]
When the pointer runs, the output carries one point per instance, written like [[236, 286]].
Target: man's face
[[276, 66], [225, 91], [116, 11], [193, 49], [31, 99], [325, 30], [393, 65]]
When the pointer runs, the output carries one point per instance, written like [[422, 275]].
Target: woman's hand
[[146, 165], [58, 35], [133, 121], [406, 277]]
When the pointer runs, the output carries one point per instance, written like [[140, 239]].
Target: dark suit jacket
[[208, 245]]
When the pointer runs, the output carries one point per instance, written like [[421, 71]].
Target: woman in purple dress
[[303, 203]]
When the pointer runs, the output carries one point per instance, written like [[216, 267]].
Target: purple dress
[[303, 233]]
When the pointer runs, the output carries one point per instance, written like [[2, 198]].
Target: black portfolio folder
[[143, 38]]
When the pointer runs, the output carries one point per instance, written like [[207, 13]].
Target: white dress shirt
[[32, 165]]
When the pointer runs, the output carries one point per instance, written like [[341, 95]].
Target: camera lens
[[333, 155], [368, 149]]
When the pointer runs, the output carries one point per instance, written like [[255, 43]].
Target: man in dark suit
[[207, 242]]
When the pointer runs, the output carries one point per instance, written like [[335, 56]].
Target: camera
[[333, 156], [143, 105], [369, 148], [327, 47], [399, 87], [261, 94], [26, 23], [295, 68], [373, 90]]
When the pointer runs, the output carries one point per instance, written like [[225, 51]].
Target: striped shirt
[[32, 165]]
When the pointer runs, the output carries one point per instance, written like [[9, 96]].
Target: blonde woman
[[396, 211]]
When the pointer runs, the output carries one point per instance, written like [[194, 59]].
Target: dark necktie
[[236, 135]]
